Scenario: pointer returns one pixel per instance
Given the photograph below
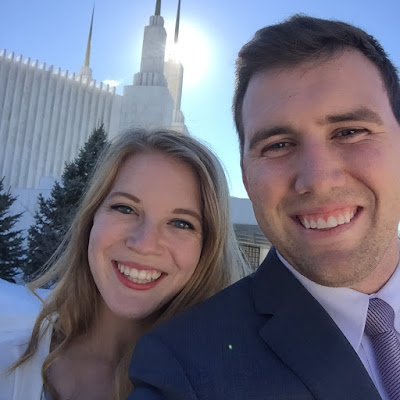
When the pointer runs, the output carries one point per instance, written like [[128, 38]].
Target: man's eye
[[123, 209], [279, 145], [351, 132], [181, 224], [277, 149]]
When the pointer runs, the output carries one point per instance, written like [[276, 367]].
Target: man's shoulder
[[239, 292], [220, 309]]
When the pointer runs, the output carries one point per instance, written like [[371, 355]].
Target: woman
[[152, 237]]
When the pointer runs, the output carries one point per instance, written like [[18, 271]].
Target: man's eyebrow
[[264, 134], [186, 211], [124, 194], [360, 114]]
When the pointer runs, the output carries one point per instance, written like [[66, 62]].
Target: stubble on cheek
[[336, 268]]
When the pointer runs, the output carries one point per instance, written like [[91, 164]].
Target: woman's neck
[[112, 336], [87, 368]]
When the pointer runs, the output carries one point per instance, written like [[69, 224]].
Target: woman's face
[[146, 238]]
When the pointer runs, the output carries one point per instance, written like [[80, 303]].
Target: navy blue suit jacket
[[265, 337]]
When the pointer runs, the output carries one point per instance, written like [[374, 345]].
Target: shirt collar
[[391, 294], [347, 307]]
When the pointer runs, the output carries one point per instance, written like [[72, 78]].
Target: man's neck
[[383, 271]]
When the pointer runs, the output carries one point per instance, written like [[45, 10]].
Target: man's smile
[[329, 219]]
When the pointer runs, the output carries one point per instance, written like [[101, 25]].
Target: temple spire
[[158, 8], [86, 71], [178, 15], [87, 56]]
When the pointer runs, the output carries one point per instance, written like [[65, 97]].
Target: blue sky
[[55, 32]]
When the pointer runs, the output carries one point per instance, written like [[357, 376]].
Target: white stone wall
[[147, 107], [45, 117], [173, 71], [242, 211], [153, 50]]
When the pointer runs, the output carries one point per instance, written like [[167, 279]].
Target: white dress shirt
[[348, 309]]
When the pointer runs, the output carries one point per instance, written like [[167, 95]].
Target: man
[[317, 109]]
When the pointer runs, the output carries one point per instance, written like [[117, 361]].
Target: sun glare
[[192, 50]]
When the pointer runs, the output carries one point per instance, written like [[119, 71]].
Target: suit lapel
[[305, 338]]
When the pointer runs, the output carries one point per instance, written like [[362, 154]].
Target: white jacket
[[18, 311]]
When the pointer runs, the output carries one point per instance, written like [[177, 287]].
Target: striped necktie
[[380, 328]]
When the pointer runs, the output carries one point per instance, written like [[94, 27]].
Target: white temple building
[[46, 116]]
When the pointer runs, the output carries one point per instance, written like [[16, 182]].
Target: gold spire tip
[[178, 16], [158, 8], [87, 56]]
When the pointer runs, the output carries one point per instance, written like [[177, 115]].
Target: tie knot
[[380, 317]]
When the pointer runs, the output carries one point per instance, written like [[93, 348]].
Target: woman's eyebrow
[[124, 194], [186, 211]]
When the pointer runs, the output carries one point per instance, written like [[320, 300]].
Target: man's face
[[321, 165]]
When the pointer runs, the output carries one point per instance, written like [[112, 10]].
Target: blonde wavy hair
[[74, 302]]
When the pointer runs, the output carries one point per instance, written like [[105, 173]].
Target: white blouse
[[19, 309]]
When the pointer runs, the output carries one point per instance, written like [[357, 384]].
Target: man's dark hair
[[302, 39]]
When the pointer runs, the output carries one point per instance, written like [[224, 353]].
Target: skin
[[152, 217], [321, 139]]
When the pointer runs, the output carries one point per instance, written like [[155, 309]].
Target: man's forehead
[[329, 86], [324, 61]]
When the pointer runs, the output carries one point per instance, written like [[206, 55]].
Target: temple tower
[[152, 101], [46, 115], [174, 75]]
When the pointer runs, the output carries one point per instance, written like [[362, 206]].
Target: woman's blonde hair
[[74, 302]]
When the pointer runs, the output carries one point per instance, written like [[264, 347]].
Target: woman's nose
[[145, 239]]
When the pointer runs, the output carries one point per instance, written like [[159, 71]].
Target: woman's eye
[[182, 224], [123, 209]]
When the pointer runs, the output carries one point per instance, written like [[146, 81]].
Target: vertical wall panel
[[62, 133], [26, 86], [74, 141], [13, 112], [33, 116], [70, 118], [45, 134], [55, 121], [35, 169], [45, 117]]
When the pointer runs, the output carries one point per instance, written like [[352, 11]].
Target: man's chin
[[334, 271]]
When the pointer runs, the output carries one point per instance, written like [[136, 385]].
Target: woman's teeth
[[139, 276]]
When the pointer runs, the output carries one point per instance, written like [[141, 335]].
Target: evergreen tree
[[54, 214], [11, 250]]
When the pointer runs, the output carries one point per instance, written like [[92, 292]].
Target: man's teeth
[[139, 276], [313, 222]]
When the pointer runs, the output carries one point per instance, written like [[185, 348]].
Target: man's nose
[[145, 238], [319, 169]]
